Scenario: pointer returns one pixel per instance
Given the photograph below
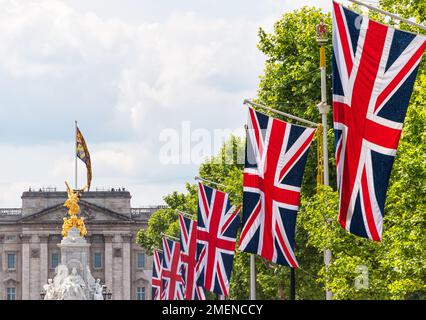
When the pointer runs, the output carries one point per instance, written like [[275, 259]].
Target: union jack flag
[[172, 281], [276, 154], [218, 222], [374, 69], [188, 256], [157, 260]]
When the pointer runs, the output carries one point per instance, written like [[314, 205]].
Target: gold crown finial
[[322, 33]]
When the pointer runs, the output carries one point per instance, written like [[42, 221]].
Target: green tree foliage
[[396, 268], [165, 220], [291, 82]]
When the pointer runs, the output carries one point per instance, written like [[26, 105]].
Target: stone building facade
[[29, 237]]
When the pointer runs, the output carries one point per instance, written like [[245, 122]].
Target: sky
[[132, 72]]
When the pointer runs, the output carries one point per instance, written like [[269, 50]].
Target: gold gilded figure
[[73, 209]]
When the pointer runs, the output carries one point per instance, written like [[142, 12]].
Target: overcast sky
[[126, 70]]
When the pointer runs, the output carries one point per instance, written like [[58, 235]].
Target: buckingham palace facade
[[29, 238]]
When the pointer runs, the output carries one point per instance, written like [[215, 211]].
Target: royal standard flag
[[83, 155]]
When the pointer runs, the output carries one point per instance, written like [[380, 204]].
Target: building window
[[141, 260], [11, 293], [97, 260], [11, 238], [54, 260], [140, 293], [11, 261]]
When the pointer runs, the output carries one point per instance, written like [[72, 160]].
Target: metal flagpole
[[75, 154], [190, 216], [252, 262], [292, 284], [389, 14], [252, 277], [169, 236], [209, 181], [313, 124], [215, 183], [322, 39]]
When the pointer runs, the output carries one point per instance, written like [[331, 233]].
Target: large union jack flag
[[156, 283], [276, 154], [218, 222], [374, 69], [188, 256], [171, 276]]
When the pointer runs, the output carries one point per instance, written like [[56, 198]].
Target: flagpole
[[169, 236], [312, 124], [388, 14], [209, 181], [215, 183], [322, 39], [190, 216], [252, 277], [75, 137], [292, 284]]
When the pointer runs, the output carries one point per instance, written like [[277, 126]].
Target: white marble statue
[[91, 283], [73, 287], [98, 291], [49, 290]]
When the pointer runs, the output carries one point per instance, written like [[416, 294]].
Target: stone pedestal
[[74, 254]]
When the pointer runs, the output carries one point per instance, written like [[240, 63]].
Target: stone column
[[2, 267], [35, 268], [44, 260], [117, 268], [25, 240], [108, 262], [127, 258]]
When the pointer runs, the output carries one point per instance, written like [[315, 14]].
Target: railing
[[146, 210], [10, 211], [134, 211], [42, 189], [110, 189]]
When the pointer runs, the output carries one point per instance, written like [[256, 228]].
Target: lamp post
[[322, 39], [106, 293], [109, 295]]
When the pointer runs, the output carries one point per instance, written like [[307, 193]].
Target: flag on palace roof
[[83, 154]]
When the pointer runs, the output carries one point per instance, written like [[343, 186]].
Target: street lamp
[[322, 39], [106, 293]]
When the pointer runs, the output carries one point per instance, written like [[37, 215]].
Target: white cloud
[[126, 79]]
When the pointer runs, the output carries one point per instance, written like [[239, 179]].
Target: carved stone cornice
[[44, 238], [108, 238], [127, 237], [25, 238]]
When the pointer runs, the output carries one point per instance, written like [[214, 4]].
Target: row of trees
[[395, 266]]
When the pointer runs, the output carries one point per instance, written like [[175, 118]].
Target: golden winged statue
[[73, 209]]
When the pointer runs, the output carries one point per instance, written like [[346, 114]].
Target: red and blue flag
[[374, 69], [218, 222], [276, 154]]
